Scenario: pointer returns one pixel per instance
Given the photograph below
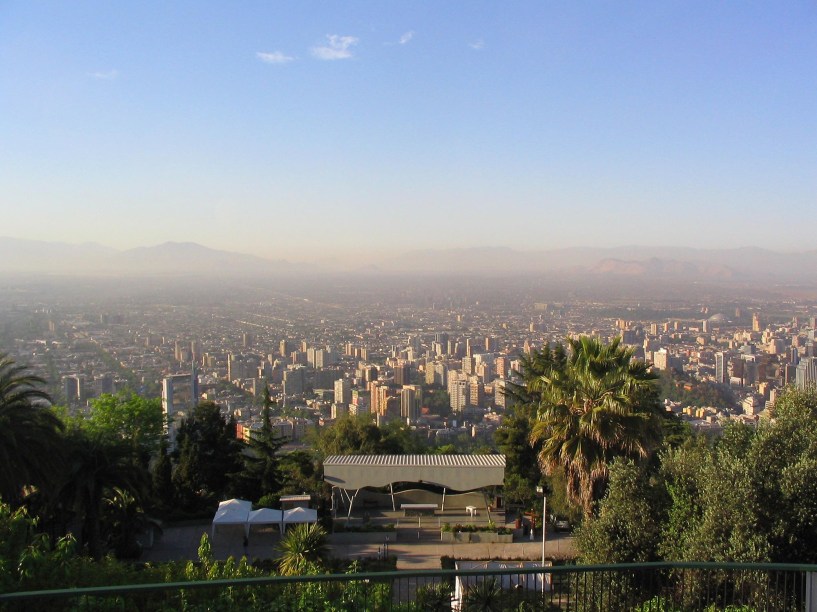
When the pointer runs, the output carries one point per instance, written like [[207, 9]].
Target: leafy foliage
[[29, 431], [209, 457], [358, 435], [129, 417], [749, 496]]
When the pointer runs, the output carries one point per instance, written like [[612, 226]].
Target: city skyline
[[306, 131]]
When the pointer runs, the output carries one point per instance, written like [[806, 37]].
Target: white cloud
[[276, 57], [338, 47], [406, 37], [477, 44], [105, 76]]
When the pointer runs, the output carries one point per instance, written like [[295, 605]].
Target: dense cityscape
[[436, 363]]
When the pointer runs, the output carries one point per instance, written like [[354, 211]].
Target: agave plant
[[484, 596]]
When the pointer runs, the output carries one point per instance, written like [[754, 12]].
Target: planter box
[[367, 537], [487, 537]]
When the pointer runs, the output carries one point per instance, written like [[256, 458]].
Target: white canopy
[[265, 516], [232, 512], [300, 515]]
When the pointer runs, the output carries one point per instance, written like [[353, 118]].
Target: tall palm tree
[[599, 405], [30, 434]]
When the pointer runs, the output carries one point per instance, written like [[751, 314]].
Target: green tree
[[749, 496], [95, 467], [301, 472], [30, 434], [130, 417], [161, 474], [522, 471], [209, 458], [125, 519], [627, 528], [358, 435], [534, 365], [261, 475], [598, 405]]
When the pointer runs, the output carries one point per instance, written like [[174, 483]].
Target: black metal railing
[[658, 587]]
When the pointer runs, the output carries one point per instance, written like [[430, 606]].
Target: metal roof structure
[[456, 472]]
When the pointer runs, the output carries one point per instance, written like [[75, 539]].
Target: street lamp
[[541, 490]]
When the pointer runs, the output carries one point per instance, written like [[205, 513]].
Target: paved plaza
[[414, 549]]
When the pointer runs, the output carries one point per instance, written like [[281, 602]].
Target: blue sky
[[304, 129]]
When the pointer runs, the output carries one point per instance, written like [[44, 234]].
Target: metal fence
[[659, 587]]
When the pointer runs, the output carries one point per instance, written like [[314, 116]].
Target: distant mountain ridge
[[663, 268], [167, 259], [189, 258]]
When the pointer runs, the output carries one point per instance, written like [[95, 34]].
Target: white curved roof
[[457, 472]]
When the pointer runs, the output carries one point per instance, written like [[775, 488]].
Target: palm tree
[[96, 466], [30, 434], [601, 404], [303, 547]]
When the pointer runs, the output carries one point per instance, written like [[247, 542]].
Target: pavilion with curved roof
[[461, 473]]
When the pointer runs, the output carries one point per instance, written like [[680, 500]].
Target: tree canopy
[[594, 406], [749, 496]]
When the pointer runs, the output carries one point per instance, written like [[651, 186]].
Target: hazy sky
[[297, 128]]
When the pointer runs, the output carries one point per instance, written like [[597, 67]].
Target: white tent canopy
[[299, 515], [240, 512], [265, 516], [232, 512]]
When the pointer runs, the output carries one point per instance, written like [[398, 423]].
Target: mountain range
[[750, 264]]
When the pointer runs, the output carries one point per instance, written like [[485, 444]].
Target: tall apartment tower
[[411, 399], [806, 373], [720, 367], [401, 374], [343, 391]]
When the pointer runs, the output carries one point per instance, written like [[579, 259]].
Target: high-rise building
[[501, 364], [806, 373], [499, 393], [73, 387], [660, 359], [294, 381], [285, 348], [411, 400], [720, 367], [476, 391], [343, 391], [402, 374], [458, 391]]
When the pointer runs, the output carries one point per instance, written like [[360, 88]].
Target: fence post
[[811, 591]]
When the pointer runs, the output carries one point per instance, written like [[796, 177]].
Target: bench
[[418, 508]]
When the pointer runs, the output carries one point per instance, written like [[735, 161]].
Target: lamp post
[[544, 530]]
